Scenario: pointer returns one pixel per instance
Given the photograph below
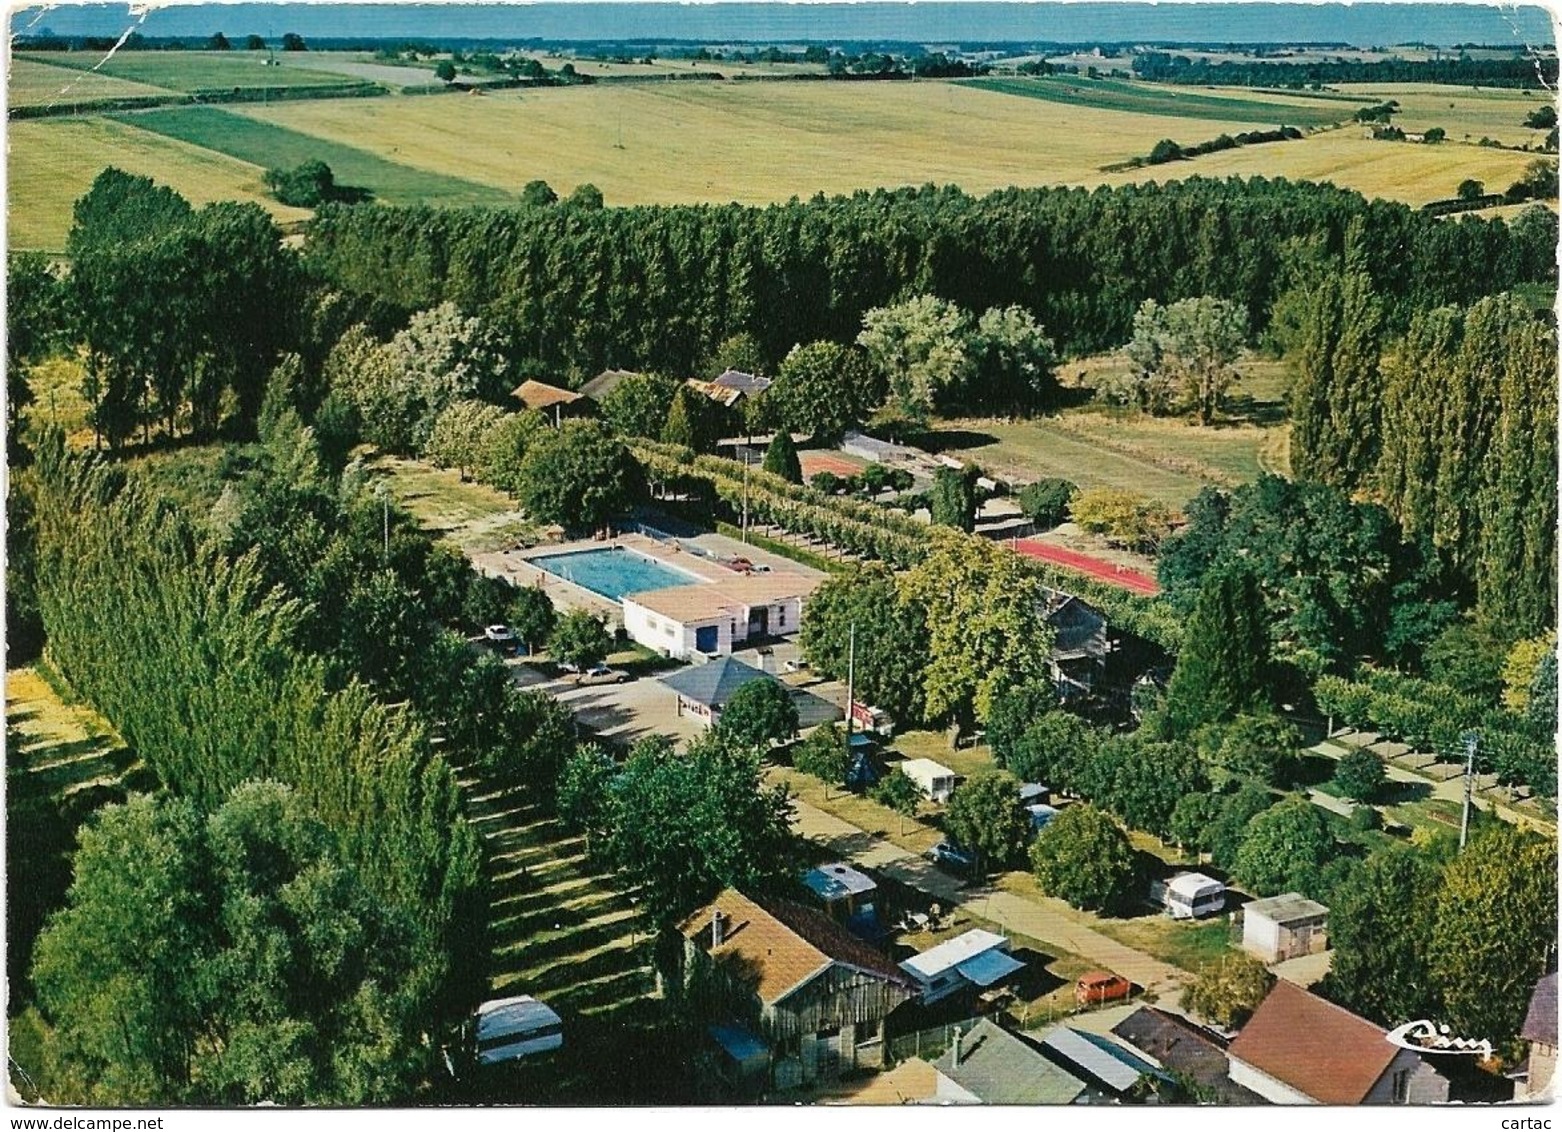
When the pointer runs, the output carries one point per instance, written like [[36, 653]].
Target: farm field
[[33, 83], [271, 146], [683, 143], [361, 66], [756, 143], [53, 162], [1402, 171], [1169, 101], [1467, 115], [189, 70]]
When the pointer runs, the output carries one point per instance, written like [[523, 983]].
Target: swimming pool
[[613, 572]]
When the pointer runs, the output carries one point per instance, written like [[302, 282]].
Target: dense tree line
[[1338, 578], [192, 655], [177, 307], [1452, 428], [1522, 72], [659, 287]]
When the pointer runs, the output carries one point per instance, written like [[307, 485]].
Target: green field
[[1164, 100], [1037, 449], [54, 160], [270, 147], [675, 143], [33, 83], [189, 70]]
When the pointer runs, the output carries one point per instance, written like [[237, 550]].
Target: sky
[[940, 22]]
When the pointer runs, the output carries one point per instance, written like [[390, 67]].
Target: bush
[[1046, 502], [1359, 775], [308, 185], [1364, 819]]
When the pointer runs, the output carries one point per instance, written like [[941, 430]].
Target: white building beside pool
[[712, 618]]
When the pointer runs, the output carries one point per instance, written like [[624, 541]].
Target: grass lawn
[[271, 146], [566, 931], [1183, 943], [189, 70], [57, 399], [33, 82], [1169, 101], [63, 762], [472, 515], [1039, 448], [916, 835], [53, 162]]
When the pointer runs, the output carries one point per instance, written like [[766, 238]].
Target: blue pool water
[[613, 572]]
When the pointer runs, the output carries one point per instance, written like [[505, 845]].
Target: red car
[[1096, 987]]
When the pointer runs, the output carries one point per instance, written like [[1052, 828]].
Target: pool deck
[[515, 566]]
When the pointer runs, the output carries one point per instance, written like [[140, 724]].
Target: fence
[[928, 1044]]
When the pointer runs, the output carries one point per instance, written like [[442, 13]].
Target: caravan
[[1188, 896]]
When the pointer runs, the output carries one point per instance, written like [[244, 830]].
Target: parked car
[[1095, 987], [602, 674], [948, 855], [500, 637]]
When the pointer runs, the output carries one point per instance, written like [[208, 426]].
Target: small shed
[[551, 401], [976, 959], [743, 1058], [605, 382], [1284, 927], [936, 780]]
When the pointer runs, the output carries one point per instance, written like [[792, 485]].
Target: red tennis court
[[815, 462], [1098, 568]]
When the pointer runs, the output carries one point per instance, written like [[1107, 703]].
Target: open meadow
[[31, 82], [755, 142], [190, 70], [54, 160]]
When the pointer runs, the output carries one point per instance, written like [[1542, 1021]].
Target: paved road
[[1045, 920]]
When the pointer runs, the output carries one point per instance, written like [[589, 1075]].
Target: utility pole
[[1471, 739], [745, 496], [851, 688], [385, 512]]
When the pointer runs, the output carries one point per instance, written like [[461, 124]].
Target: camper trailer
[[1188, 896]]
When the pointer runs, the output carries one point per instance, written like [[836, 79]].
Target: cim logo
[[1425, 1036]]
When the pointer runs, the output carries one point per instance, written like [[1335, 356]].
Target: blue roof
[[714, 682], [990, 967]]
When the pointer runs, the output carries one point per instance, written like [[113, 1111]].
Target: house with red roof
[[1301, 1049]]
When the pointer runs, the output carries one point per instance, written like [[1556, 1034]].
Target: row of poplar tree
[[1451, 426], [660, 287]]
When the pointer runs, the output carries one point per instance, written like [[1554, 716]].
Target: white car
[[602, 674], [509, 1029], [499, 635]]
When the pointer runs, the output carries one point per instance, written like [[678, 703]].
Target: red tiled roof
[[1314, 1046]]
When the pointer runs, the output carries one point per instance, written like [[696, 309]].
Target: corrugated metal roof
[[1116, 1069], [951, 953], [833, 881]]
